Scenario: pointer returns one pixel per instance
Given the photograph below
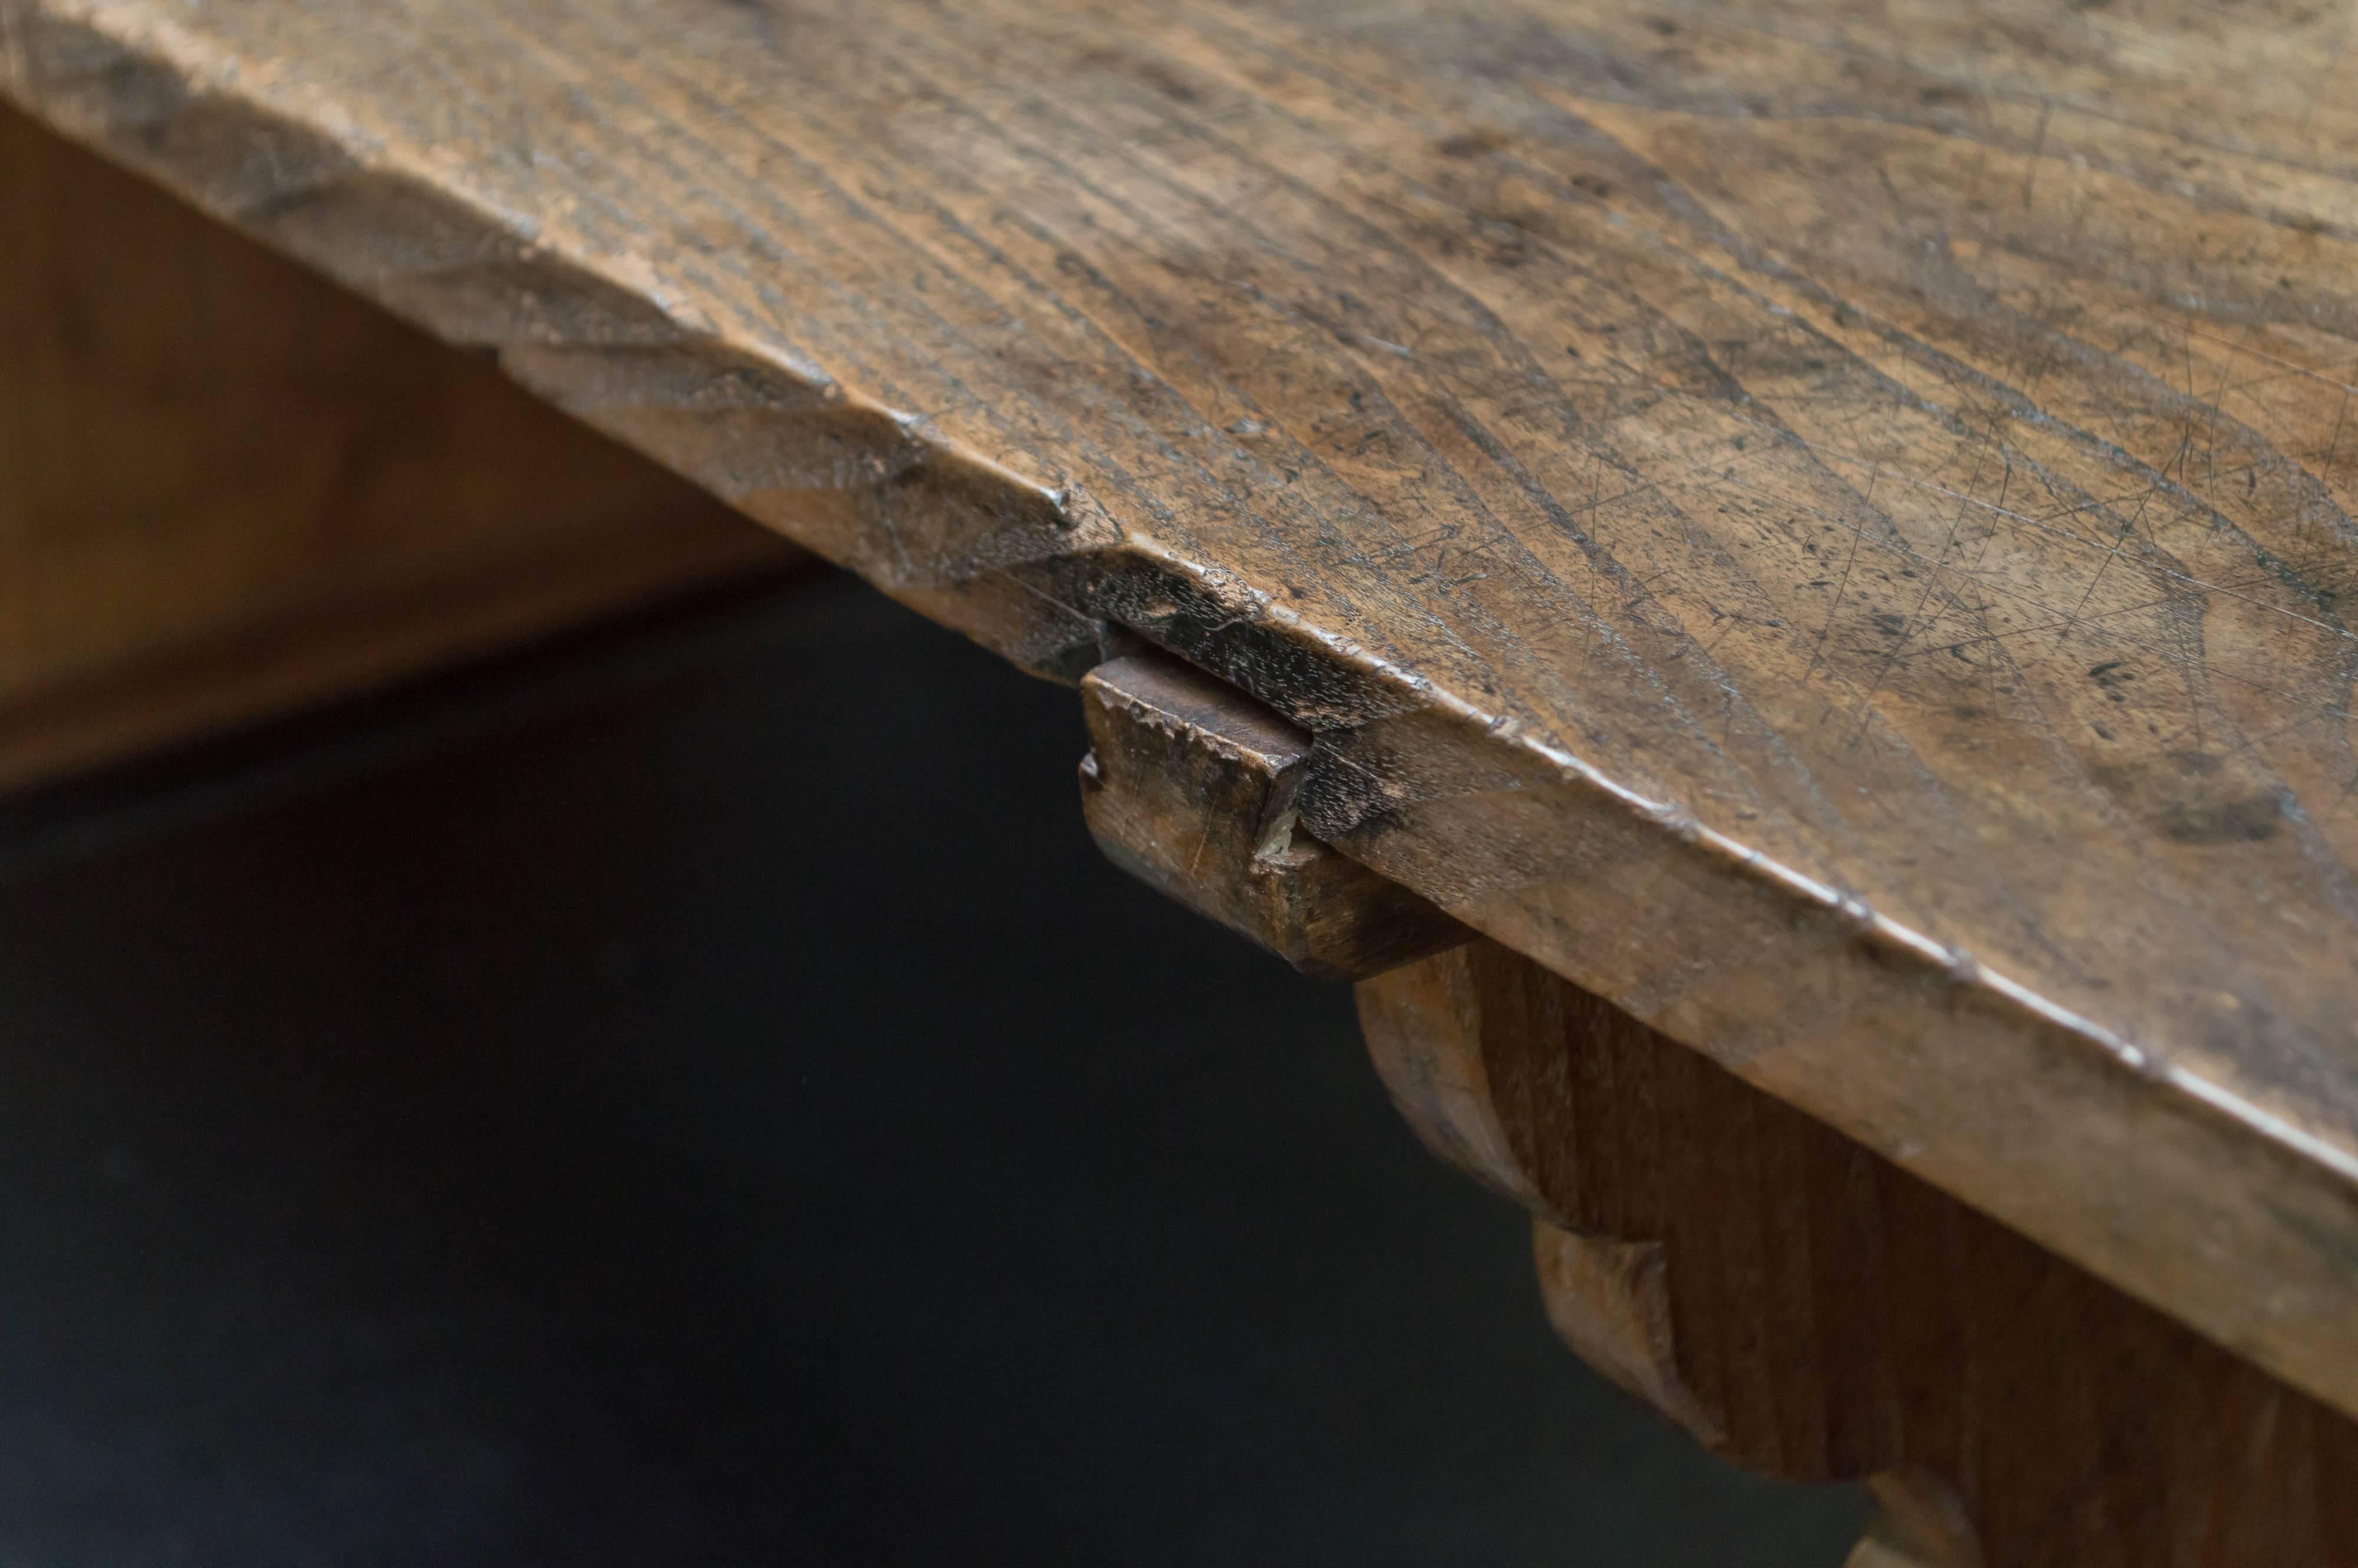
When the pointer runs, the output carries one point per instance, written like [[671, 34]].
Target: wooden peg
[[1190, 785]]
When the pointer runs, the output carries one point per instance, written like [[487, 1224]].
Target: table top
[[1823, 523]]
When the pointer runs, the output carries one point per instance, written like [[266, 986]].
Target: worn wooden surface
[[1803, 1305], [228, 487], [1192, 787], [1823, 523]]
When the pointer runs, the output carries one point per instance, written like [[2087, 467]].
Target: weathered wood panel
[[228, 487], [1824, 523]]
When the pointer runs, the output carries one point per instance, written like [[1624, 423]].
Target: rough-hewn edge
[[1961, 1073]]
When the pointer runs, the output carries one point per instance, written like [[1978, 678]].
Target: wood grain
[[229, 488], [1802, 1305], [1824, 523]]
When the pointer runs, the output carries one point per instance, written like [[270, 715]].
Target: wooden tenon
[[1820, 526], [1197, 794]]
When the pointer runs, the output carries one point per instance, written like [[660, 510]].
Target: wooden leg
[[1805, 1307], [228, 487], [1791, 1299]]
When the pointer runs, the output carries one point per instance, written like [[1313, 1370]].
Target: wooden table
[[1819, 531]]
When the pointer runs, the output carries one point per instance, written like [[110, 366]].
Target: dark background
[[696, 1096]]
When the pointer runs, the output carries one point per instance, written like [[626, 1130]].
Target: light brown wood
[[1190, 787], [1921, 1525], [1825, 524], [1802, 1304], [1609, 1300], [228, 488]]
